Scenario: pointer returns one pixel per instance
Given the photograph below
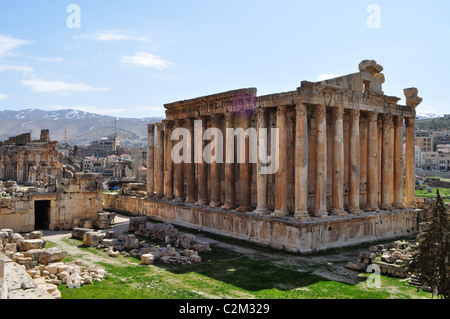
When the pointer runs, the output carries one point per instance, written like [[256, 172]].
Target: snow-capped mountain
[[78, 126], [422, 115]]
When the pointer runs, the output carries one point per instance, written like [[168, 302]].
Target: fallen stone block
[[35, 254], [92, 239], [15, 238], [131, 242], [34, 235], [112, 235], [78, 232], [388, 258], [137, 224], [52, 289], [107, 242], [160, 231], [29, 244], [147, 259], [355, 265], [104, 219], [113, 253], [52, 255], [201, 247]]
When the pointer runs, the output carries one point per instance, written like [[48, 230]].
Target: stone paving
[[15, 275]]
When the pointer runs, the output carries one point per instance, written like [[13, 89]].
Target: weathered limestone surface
[[92, 239], [78, 233], [70, 200], [52, 255]]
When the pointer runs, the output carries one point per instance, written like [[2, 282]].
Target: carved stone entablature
[[412, 98], [370, 66], [217, 103], [361, 91]]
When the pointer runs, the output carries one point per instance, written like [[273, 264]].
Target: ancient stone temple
[[340, 171]]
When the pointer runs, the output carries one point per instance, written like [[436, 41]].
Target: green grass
[[442, 179], [226, 274], [445, 192]]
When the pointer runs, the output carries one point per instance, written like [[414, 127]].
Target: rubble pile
[[391, 258], [103, 221], [44, 265], [28, 250], [180, 248], [73, 274]]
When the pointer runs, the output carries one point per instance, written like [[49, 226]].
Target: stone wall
[[77, 198], [280, 233]]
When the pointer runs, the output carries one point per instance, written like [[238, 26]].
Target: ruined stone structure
[[38, 192], [27, 161], [55, 207], [341, 167]]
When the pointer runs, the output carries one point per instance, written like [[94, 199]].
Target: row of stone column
[[383, 165], [391, 175]]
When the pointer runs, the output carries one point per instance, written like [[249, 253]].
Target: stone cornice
[[309, 93], [234, 101]]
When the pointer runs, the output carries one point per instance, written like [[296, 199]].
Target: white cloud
[[44, 59], [147, 60], [18, 68], [8, 44], [324, 77], [3, 96], [113, 35], [38, 85]]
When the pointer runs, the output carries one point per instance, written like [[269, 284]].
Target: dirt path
[[58, 237]]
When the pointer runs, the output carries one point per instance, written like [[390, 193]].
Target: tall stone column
[[301, 163], [355, 164], [386, 163], [372, 162], [281, 176], [230, 183], [410, 165], [189, 166], [321, 162], [202, 176], [398, 162], [159, 167], [412, 100], [178, 173], [245, 171], [338, 163], [261, 179], [151, 160], [215, 169], [168, 163]]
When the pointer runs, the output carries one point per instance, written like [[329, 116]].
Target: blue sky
[[128, 58]]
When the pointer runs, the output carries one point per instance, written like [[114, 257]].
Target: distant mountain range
[[74, 126], [428, 115], [80, 128]]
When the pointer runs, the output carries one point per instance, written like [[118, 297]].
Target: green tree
[[431, 260]]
